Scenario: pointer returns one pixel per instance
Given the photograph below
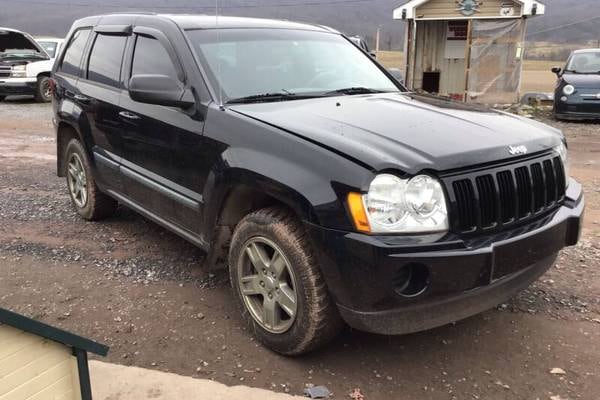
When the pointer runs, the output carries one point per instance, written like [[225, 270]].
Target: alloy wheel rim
[[77, 180], [46, 90], [268, 285]]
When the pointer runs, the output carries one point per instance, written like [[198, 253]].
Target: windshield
[[255, 62], [585, 63], [49, 47]]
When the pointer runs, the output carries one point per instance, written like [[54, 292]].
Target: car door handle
[[129, 115], [82, 99]]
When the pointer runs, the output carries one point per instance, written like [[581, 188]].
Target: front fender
[[310, 179], [37, 68]]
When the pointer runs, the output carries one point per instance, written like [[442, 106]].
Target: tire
[[89, 201], [316, 319], [42, 90]]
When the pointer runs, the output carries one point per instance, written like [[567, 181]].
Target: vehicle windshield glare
[[295, 63], [585, 63], [49, 47]]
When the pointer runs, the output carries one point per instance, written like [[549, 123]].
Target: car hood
[[583, 81], [11, 40], [405, 131]]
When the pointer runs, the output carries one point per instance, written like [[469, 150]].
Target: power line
[[564, 26], [194, 7]]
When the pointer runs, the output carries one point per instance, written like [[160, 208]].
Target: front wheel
[[43, 90], [279, 285]]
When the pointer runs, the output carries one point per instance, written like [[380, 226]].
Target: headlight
[[18, 71], [564, 156], [395, 205], [569, 90]]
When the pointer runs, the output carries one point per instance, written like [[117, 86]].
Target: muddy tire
[[85, 196], [43, 92], [290, 271]]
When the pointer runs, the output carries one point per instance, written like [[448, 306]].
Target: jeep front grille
[[501, 196]]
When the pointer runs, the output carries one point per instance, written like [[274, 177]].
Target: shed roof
[[411, 6], [49, 332]]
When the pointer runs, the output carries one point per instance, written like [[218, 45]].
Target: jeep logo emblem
[[516, 150]]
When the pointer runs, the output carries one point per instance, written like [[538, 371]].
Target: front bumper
[[466, 275], [17, 86], [577, 108]]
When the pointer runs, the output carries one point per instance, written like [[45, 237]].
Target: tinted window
[[74, 52], [105, 59], [151, 57]]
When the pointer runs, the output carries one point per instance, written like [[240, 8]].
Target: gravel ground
[[145, 293]]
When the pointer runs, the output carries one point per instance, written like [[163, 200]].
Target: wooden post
[[468, 58], [522, 60]]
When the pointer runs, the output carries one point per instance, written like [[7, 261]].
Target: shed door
[[494, 74]]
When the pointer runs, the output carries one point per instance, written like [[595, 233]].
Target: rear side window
[[150, 57], [105, 59], [72, 59]]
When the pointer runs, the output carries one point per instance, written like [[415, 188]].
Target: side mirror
[[161, 90], [397, 74], [556, 70], [373, 54]]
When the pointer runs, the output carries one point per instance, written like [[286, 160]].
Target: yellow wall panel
[[34, 368]]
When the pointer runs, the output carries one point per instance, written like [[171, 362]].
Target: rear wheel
[[279, 285], [87, 199], [43, 91]]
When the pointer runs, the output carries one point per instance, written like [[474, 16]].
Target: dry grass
[[391, 59], [536, 77]]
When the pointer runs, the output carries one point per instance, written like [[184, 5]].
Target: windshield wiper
[[353, 90], [265, 97]]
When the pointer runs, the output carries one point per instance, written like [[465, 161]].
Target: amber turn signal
[[357, 209]]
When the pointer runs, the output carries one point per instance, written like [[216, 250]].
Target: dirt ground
[[144, 292]]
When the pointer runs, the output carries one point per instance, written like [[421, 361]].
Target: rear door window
[[150, 57], [72, 58], [105, 59]]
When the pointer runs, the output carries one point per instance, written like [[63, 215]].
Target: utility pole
[[377, 39]]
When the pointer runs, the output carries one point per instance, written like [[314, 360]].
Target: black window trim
[[114, 29], [65, 47]]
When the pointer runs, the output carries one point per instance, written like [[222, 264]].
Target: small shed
[[40, 362], [469, 50]]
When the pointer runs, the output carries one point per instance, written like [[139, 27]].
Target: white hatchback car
[[25, 64]]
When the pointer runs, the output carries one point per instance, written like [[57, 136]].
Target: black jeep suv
[[338, 194]]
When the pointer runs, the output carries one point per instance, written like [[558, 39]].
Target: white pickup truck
[[25, 64]]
